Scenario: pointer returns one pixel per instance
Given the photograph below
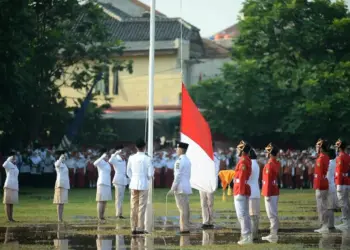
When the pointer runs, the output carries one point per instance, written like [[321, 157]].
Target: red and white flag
[[196, 132]]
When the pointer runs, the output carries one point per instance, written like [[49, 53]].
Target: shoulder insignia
[[267, 171], [177, 165], [318, 164], [339, 162], [243, 167]]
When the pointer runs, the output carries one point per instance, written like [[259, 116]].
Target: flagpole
[[149, 214]]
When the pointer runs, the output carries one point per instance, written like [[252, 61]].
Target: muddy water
[[103, 237]]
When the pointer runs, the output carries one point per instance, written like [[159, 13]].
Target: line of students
[[328, 178]]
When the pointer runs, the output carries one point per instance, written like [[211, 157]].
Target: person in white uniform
[[11, 186], [254, 199], [332, 191], [120, 179], [62, 184], [207, 199], [104, 189], [140, 171], [181, 186]]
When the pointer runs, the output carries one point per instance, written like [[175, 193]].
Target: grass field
[[37, 227]]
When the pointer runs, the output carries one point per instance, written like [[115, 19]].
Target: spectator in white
[[35, 162], [48, 168], [11, 185], [207, 199], [104, 190], [332, 191], [62, 184], [139, 171], [254, 199], [120, 179]]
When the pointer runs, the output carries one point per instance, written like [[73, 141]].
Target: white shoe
[[323, 230], [245, 240], [344, 226], [271, 238]]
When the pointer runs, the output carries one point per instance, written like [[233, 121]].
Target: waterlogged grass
[[36, 205], [297, 211]]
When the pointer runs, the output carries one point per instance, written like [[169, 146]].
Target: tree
[[290, 73], [44, 41]]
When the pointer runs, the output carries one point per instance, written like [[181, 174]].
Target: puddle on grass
[[60, 236]]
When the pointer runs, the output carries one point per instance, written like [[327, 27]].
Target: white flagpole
[[149, 209]]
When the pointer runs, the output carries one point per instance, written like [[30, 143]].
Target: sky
[[207, 15]]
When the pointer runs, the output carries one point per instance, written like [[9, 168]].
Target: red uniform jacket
[[242, 172], [341, 169], [270, 176], [321, 168]]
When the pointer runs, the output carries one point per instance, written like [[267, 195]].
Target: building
[[128, 20], [225, 37]]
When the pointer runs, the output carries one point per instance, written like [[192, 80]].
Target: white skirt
[[10, 196], [61, 196], [104, 193]]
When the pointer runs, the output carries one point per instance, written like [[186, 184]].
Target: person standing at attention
[[321, 184], [254, 199], [120, 179], [241, 191], [271, 191], [11, 186], [62, 184], [207, 199], [104, 190], [140, 171], [181, 186]]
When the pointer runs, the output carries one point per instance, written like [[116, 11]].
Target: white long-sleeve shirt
[[139, 170], [12, 171], [331, 176], [62, 177], [104, 171], [182, 176], [253, 180], [119, 166]]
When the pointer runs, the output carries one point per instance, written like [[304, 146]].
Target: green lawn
[[296, 210]]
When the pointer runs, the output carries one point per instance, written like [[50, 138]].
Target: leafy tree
[[48, 45], [289, 77]]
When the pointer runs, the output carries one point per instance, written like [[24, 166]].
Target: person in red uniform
[[342, 182], [271, 191], [242, 191], [321, 184]]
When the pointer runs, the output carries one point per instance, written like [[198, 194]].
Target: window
[[116, 82], [106, 83], [102, 86]]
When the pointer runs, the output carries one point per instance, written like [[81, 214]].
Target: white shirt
[[140, 171], [104, 171], [182, 176], [119, 166], [11, 174], [253, 180], [62, 177], [330, 176], [48, 164]]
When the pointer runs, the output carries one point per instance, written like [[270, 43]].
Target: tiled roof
[[137, 29], [232, 30], [115, 10], [214, 50], [145, 6]]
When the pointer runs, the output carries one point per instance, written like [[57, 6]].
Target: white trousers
[[271, 206], [322, 206], [119, 198], [207, 203], [242, 211], [343, 201]]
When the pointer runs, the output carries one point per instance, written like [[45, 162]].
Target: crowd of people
[[36, 166]]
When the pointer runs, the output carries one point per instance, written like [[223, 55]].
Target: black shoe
[[205, 226], [134, 232], [184, 232], [121, 217], [331, 228], [210, 226]]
